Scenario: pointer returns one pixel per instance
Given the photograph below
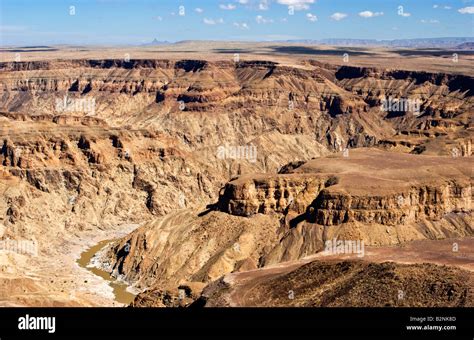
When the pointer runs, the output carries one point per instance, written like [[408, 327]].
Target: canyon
[[135, 158]]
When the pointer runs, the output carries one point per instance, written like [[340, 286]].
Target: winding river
[[120, 288]]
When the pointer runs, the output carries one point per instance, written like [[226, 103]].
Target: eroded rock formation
[[91, 145]]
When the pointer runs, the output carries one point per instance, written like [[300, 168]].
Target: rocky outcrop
[[424, 202], [309, 100], [462, 83], [189, 247], [435, 110], [89, 146], [119, 89], [247, 197], [380, 198], [346, 196]]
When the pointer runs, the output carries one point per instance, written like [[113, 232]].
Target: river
[[119, 288]]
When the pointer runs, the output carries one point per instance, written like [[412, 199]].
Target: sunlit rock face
[[310, 152]]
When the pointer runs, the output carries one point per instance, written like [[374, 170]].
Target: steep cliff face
[[360, 190], [266, 194], [380, 198], [420, 202], [436, 115], [162, 94], [454, 82], [89, 145], [339, 106]]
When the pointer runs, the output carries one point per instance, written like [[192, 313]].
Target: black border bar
[[242, 323]]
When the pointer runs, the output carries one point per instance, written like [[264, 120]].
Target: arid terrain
[[221, 173]]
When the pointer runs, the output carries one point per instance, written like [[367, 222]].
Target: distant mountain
[[409, 43], [39, 46], [156, 42]]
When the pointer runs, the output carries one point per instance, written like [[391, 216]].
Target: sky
[[135, 22]]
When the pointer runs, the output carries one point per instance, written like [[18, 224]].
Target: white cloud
[[209, 21], [260, 5], [242, 25], [404, 14], [298, 5], [370, 14], [466, 10], [228, 7], [263, 5], [158, 18], [198, 10], [429, 21], [212, 21], [443, 7], [311, 17], [261, 20], [338, 16]]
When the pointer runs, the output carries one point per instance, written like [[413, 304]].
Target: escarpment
[[200, 103], [332, 191], [339, 106], [246, 197], [431, 112], [462, 83], [420, 202], [88, 146], [260, 220]]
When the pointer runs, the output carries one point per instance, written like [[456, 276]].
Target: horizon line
[[167, 42]]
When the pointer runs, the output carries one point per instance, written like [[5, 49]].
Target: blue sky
[[35, 22]]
